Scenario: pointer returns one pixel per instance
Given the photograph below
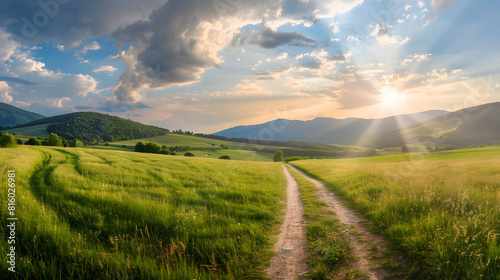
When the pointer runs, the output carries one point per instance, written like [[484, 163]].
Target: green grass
[[442, 209], [98, 214], [31, 131]]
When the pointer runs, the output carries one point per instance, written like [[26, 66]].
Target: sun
[[391, 98]]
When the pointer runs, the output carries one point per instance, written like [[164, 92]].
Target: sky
[[207, 65]]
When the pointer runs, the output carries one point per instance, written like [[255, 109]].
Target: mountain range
[[327, 130], [478, 125]]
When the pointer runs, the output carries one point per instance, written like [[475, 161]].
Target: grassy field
[[31, 131], [442, 208], [96, 214]]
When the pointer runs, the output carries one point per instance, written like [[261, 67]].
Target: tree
[[33, 142], [151, 147], [405, 149], [188, 154], [139, 147], [55, 141], [278, 156], [430, 149], [7, 140], [225, 157]]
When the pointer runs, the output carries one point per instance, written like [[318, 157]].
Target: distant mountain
[[12, 116], [479, 125], [326, 130], [90, 127]]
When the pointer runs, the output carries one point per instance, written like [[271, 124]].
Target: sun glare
[[391, 98]]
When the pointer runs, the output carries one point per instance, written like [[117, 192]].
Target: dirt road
[[363, 242], [291, 251]]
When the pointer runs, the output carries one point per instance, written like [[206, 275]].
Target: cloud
[[106, 68], [9, 46], [334, 27], [5, 91], [341, 56], [421, 4], [282, 55], [91, 47], [356, 94], [179, 41], [85, 84], [381, 33], [71, 23], [442, 4], [270, 39]]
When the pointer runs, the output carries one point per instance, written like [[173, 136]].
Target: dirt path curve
[[291, 250], [364, 241]]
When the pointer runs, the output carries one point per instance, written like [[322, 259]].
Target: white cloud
[[334, 27], [56, 102], [5, 91], [351, 38], [8, 46], [383, 37], [282, 55], [407, 7], [105, 68], [91, 47], [420, 4], [85, 84]]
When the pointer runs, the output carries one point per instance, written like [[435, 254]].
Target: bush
[[188, 154], [55, 141], [278, 156], [164, 152], [33, 142], [76, 143], [173, 153], [225, 157], [152, 148], [288, 159], [139, 147], [106, 144], [7, 140]]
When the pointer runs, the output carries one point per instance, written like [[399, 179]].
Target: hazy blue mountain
[[327, 130]]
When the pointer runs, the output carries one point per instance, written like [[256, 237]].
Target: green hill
[[479, 125], [91, 127], [12, 116]]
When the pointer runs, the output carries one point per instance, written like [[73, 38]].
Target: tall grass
[[442, 210], [92, 214]]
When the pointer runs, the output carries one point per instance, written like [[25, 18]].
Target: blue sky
[[209, 65]]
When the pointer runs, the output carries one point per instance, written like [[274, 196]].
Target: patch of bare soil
[[367, 247], [291, 250]]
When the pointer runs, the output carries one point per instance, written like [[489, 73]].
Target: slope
[[12, 116]]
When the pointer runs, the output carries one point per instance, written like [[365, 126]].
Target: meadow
[[98, 214], [442, 209]]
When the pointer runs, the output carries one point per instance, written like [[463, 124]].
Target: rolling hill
[[91, 127], [11, 116], [326, 130], [479, 125]]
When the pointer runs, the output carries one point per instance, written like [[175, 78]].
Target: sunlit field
[[96, 214], [441, 209]]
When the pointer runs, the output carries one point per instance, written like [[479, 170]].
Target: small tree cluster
[[151, 148], [279, 156], [225, 157], [7, 140]]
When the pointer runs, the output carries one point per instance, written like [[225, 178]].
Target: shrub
[[288, 159], [55, 141], [188, 154], [7, 140], [152, 148], [139, 147], [225, 157], [278, 156], [33, 142]]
